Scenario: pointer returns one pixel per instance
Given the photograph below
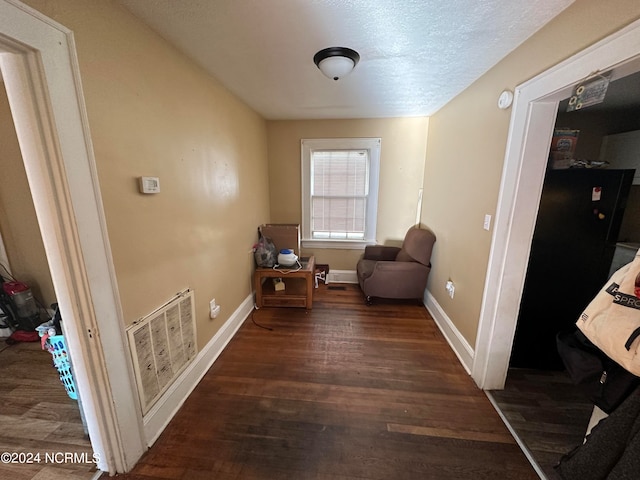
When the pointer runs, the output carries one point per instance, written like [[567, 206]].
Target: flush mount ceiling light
[[336, 62]]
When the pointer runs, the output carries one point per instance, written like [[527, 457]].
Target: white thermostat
[[149, 185]]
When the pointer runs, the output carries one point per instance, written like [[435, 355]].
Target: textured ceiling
[[416, 55]]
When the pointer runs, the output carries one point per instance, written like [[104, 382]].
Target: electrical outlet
[[451, 288]]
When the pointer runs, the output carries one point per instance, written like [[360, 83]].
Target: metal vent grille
[[162, 344]]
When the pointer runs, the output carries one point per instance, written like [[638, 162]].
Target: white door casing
[[532, 122], [39, 66]]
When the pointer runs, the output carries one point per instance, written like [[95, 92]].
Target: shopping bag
[[612, 320]]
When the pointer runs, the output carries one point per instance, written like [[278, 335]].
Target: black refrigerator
[[573, 244]]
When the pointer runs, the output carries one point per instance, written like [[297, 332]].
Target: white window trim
[[372, 145]]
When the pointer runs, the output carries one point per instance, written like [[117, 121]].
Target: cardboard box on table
[[283, 235]]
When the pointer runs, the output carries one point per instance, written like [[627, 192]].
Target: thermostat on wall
[[149, 185]]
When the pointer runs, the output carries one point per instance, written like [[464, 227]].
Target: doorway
[[533, 119], [532, 123], [546, 412], [580, 232], [37, 408], [39, 66]]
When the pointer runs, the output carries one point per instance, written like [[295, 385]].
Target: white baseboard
[[342, 276], [156, 420], [458, 343]]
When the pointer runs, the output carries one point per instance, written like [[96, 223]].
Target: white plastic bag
[[265, 252], [612, 320]]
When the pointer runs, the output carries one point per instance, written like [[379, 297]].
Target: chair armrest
[[380, 252]]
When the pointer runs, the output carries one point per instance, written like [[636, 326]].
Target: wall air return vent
[[162, 344]]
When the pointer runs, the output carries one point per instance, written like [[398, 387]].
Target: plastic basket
[[66, 377], [57, 346]]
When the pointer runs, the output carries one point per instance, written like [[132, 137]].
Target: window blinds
[[339, 190]]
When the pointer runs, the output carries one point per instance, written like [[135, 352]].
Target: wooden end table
[[298, 291]]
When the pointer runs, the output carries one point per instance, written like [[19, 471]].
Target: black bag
[[602, 380], [610, 451]]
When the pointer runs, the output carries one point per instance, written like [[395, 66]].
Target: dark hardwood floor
[[38, 417], [547, 412], [341, 392]]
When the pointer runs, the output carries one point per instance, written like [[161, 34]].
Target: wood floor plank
[[28, 428], [461, 433], [38, 416], [548, 413], [341, 392]]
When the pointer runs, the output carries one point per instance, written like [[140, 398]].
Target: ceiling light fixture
[[336, 62]]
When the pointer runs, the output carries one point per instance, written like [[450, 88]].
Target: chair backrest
[[417, 246]]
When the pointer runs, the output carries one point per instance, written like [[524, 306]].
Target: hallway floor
[[340, 392], [547, 413], [40, 426]]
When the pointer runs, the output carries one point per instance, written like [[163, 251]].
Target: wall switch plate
[[487, 222]]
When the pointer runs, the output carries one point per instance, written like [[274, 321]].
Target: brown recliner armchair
[[397, 272]]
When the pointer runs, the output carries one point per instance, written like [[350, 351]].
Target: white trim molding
[[342, 276], [42, 78], [454, 338], [338, 244], [307, 148], [159, 416]]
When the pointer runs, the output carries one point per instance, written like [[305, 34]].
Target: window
[[339, 191]]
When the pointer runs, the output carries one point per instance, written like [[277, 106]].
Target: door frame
[[40, 69], [532, 121]]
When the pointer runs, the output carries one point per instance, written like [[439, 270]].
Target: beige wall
[[153, 112], [18, 222], [465, 154], [404, 142]]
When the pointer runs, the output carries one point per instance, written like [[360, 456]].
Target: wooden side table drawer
[[275, 301]]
